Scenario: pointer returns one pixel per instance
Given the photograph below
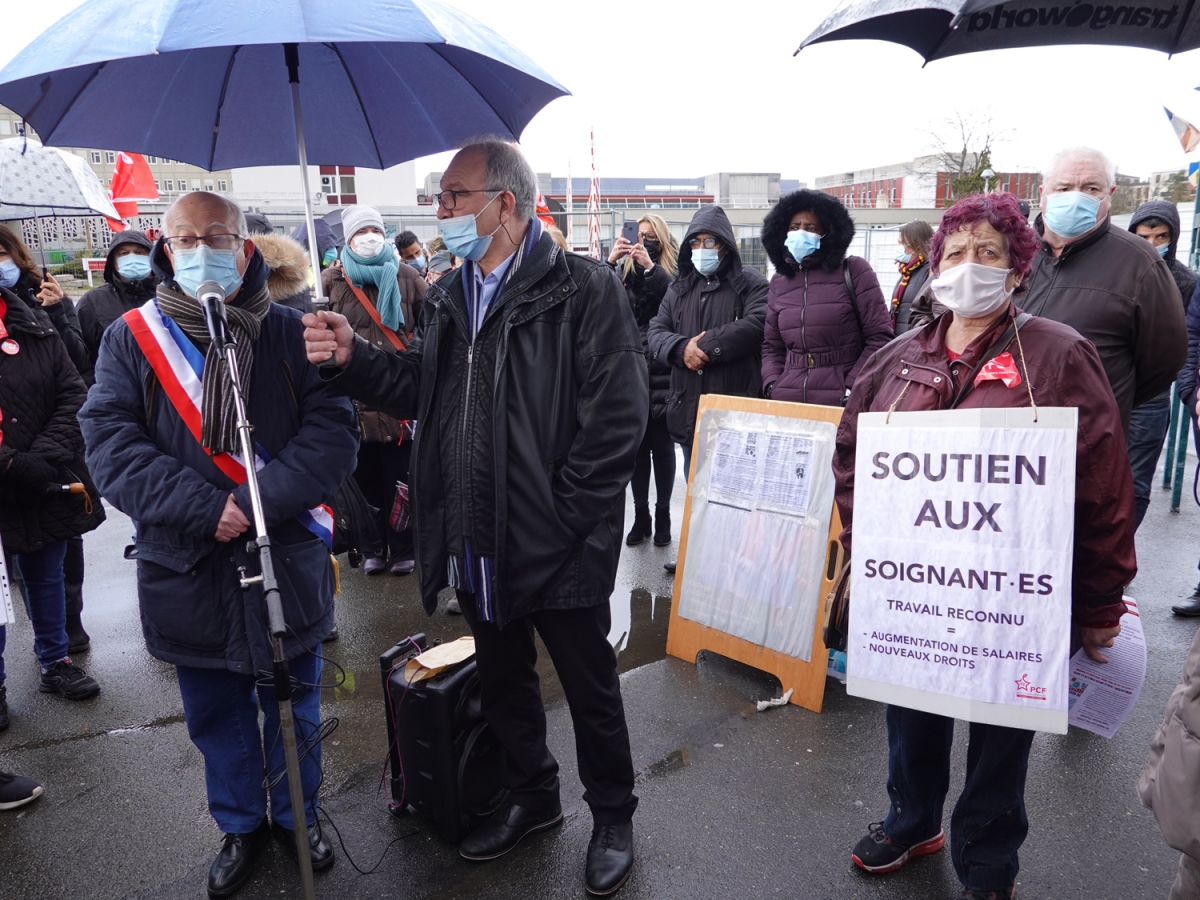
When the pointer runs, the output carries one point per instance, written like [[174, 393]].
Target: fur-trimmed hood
[[836, 222], [288, 262]]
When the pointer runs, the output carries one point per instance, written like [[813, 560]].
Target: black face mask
[[653, 249]]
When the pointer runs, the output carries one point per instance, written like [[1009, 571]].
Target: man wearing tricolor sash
[[161, 436]]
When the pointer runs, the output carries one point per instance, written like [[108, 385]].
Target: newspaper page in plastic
[[762, 497], [1104, 694], [961, 564]]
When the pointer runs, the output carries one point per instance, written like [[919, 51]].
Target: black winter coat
[[149, 465], [527, 438], [102, 306], [645, 292], [40, 395], [62, 317], [730, 307]]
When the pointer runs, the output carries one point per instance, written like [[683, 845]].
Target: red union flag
[[132, 181]]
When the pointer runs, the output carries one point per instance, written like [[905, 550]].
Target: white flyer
[[963, 539], [1102, 695], [8, 617]]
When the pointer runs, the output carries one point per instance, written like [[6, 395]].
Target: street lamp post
[[987, 175]]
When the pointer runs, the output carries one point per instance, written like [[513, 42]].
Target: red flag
[[543, 210], [132, 181], [1001, 368]]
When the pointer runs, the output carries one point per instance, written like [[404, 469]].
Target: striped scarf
[[218, 415], [465, 571], [906, 270]]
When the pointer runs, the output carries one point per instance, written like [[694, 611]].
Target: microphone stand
[[261, 545]]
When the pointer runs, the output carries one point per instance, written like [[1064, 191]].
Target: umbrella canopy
[[940, 28], [44, 181], [205, 81]]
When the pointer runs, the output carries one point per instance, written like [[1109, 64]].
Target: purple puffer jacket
[[814, 344]]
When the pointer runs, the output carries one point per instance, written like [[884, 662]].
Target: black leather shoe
[[670, 567], [641, 526], [321, 849], [504, 830], [609, 858], [234, 864], [1189, 608]]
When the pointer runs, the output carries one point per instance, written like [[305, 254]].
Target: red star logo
[[1023, 683]]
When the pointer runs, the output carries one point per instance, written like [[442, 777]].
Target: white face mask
[[971, 290], [367, 244]]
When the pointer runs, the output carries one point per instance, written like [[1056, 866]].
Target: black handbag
[[837, 628], [354, 523]]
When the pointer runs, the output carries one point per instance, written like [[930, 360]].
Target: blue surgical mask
[[1163, 249], [904, 257], [705, 260], [1070, 213], [801, 243], [194, 267], [463, 239], [330, 255], [133, 266], [10, 272], [418, 264]]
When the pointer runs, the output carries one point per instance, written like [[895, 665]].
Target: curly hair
[[999, 210]]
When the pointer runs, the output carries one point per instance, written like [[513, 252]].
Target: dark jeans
[[1148, 425], [656, 443], [380, 466], [221, 711], [511, 700], [41, 574], [988, 824]]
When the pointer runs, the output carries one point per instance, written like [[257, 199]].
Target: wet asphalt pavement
[[734, 803]]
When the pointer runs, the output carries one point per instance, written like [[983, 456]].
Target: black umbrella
[[940, 28]]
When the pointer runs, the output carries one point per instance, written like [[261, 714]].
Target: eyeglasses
[[707, 243], [447, 200], [215, 241], [644, 236]]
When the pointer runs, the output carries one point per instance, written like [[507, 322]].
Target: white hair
[[1081, 154]]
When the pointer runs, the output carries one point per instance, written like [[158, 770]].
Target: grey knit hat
[[356, 218]]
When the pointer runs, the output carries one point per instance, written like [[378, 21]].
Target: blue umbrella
[[229, 83]]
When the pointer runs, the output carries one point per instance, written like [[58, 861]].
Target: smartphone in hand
[[629, 231]]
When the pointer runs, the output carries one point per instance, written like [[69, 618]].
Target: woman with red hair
[[980, 258]]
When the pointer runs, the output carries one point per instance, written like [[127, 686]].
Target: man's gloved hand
[[32, 471]]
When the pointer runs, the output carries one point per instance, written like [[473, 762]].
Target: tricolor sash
[[179, 367]]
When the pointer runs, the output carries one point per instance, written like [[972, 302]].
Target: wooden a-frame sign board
[[685, 638]]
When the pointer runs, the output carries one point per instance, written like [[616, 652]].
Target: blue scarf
[[382, 271]]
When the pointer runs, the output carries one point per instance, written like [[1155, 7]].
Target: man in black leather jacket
[[529, 384]]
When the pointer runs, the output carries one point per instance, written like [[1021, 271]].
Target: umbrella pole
[[41, 243], [279, 628], [291, 53]]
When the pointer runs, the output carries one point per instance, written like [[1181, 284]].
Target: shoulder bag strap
[[853, 297], [374, 314], [993, 351]]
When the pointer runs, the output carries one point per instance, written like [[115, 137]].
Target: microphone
[[212, 300]]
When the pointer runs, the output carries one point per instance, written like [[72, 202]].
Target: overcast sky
[[684, 91]]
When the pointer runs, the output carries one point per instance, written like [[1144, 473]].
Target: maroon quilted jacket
[[914, 373], [815, 344]]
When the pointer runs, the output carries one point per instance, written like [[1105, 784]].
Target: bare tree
[[963, 148]]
